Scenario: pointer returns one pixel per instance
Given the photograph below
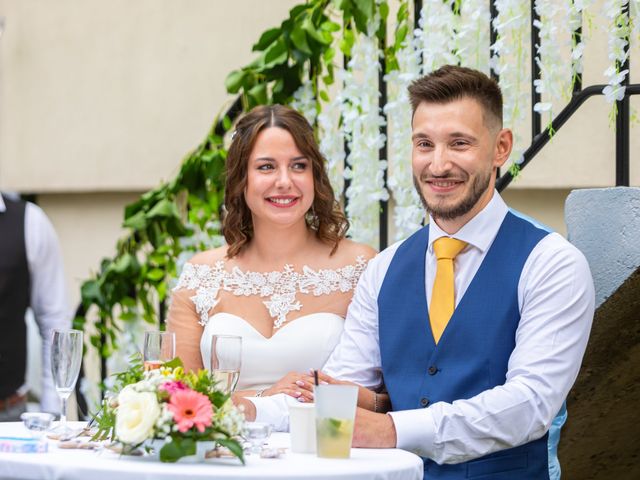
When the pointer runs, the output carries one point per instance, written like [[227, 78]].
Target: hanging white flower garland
[[361, 124], [304, 101], [619, 32], [555, 79], [330, 135], [436, 36], [510, 54], [577, 12], [407, 213], [473, 35], [445, 37], [331, 138]]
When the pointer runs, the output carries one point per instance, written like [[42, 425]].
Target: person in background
[[479, 321], [31, 275]]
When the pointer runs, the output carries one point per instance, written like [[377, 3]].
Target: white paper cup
[[302, 427], [335, 416]]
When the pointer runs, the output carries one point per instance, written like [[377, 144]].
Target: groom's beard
[[439, 210]]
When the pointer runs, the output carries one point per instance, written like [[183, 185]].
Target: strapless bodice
[[299, 345]]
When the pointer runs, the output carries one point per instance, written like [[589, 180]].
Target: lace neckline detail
[[280, 287]]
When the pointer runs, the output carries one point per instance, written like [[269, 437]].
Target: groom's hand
[[373, 430], [247, 406]]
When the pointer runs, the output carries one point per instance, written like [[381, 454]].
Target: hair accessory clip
[[234, 134]]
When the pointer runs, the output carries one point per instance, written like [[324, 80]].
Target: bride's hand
[[294, 384], [368, 399]]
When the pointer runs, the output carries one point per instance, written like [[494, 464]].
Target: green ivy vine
[[185, 212]]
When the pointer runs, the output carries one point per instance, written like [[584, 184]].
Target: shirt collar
[[481, 230]]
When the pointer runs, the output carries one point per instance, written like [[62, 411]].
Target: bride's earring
[[311, 217]]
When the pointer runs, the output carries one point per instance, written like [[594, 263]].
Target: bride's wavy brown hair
[[325, 216]]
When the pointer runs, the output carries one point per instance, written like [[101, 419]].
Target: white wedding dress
[[299, 345]]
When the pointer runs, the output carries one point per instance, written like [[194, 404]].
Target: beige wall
[[545, 205], [110, 95]]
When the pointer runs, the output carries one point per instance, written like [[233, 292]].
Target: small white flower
[[542, 107]]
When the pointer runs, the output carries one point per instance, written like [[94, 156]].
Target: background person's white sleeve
[[556, 297], [48, 292]]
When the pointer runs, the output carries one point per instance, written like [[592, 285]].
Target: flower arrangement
[[181, 408]]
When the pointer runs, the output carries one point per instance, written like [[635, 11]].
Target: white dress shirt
[[556, 302], [48, 293]]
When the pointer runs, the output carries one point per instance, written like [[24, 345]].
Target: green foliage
[[132, 375], [129, 286], [403, 28], [133, 284], [514, 170], [177, 448], [302, 41], [104, 422]]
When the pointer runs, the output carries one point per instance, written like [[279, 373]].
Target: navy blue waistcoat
[[473, 352]]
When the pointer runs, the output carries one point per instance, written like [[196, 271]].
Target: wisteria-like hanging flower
[[619, 33], [408, 213], [509, 61], [362, 121], [556, 76]]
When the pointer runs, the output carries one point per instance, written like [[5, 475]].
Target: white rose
[[136, 415]]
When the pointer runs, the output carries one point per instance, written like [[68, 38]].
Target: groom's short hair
[[452, 82]]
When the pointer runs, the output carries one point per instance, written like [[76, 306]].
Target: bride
[[287, 274]]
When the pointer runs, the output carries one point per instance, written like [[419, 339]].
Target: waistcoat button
[[432, 370], [424, 401]]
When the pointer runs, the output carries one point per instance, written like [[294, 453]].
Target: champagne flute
[[226, 358], [159, 347], [66, 357]]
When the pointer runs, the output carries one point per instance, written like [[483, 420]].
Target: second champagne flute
[[159, 347], [226, 359]]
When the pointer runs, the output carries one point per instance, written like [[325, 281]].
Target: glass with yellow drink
[[335, 415]]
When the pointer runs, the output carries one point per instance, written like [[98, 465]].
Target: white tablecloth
[[365, 464]]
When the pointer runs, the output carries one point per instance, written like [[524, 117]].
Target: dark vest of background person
[[14, 301]]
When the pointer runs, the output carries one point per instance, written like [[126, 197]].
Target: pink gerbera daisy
[[190, 408]]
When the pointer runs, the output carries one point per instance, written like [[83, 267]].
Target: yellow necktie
[[442, 296]]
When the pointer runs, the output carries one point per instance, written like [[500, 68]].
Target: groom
[[479, 321]]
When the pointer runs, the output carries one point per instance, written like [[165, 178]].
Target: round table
[[380, 464]]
